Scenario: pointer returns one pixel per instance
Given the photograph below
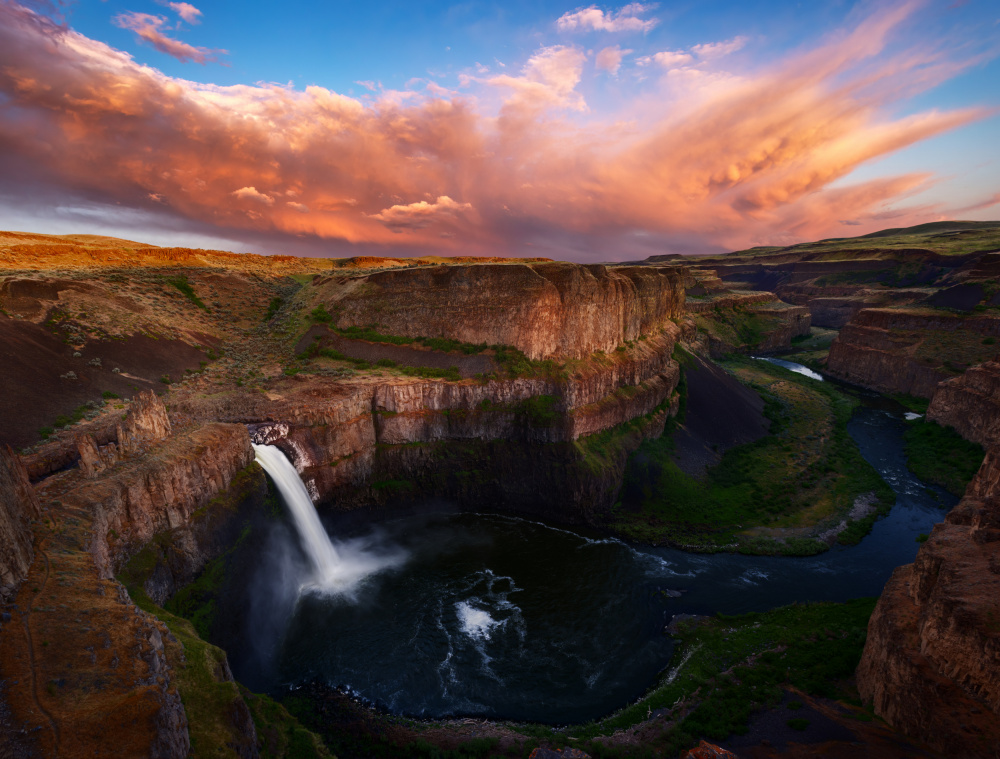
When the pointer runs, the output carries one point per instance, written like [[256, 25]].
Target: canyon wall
[[909, 350], [931, 663], [543, 309], [18, 507], [357, 440], [971, 404]]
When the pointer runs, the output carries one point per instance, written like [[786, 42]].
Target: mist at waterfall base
[[496, 616]]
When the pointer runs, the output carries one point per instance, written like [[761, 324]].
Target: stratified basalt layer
[[18, 506], [909, 351], [88, 673], [971, 404], [551, 309], [931, 664], [332, 430]]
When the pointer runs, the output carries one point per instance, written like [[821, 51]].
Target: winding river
[[503, 617]]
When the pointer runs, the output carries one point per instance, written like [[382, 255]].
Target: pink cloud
[[594, 19], [610, 59], [186, 11], [719, 49], [420, 214], [755, 158], [148, 28]]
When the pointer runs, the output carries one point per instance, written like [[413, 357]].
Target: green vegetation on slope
[[727, 667], [211, 702], [181, 283], [940, 455], [769, 496]]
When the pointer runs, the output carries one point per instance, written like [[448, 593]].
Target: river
[[502, 617]]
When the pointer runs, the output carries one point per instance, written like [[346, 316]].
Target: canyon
[[520, 386]]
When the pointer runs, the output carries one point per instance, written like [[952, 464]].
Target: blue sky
[[592, 89]]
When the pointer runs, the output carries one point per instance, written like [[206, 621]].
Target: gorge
[[547, 479]]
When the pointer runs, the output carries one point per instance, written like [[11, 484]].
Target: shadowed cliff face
[[18, 506], [542, 309], [931, 664], [971, 404], [904, 351]]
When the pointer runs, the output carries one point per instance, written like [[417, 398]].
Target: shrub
[[108, 395], [321, 315], [272, 308], [165, 379]]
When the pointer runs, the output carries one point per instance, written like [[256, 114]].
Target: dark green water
[[503, 617]]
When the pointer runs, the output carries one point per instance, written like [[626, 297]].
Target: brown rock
[[543, 309], [18, 506], [971, 403], [881, 348], [931, 664]]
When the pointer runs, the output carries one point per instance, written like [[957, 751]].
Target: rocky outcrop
[[160, 491], [909, 351], [543, 309], [931, 663], [971, 404], [18, 506], [145, 423]]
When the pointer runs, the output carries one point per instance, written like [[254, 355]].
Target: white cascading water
[[333, 571]]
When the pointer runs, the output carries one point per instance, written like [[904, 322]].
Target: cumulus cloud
[[594, 19], [186, 11], [149, 29], [610, 59], [418, 215], [763, 158], [250, 193], [549, 78]]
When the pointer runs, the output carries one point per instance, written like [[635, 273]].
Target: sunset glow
[[599, 140]]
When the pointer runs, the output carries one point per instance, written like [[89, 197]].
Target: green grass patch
[[726, 668], [181, 283], [940, 455], [761, 496]]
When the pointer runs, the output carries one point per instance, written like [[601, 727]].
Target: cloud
[[667, 59], [719, 49], [594, 19], [517, 160], [147, 27], [250, 193], [610, 59], [418, 215], [186, 11], [549, 78]]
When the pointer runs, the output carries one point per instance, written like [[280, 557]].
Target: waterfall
[[333, 570]]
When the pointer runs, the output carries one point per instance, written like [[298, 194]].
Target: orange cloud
[[711, 158]]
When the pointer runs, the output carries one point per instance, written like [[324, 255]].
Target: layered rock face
[[18, 506], [833, 307], [908, 351], [971, 403], [334, 431], [543, 309], [109, 668], [931, 664]]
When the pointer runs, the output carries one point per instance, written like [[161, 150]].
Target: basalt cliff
[[931, 665]]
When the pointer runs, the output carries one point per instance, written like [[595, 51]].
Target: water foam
[[336, 570], [476, 623]]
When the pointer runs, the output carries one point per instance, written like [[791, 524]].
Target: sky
[[578, 132]]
